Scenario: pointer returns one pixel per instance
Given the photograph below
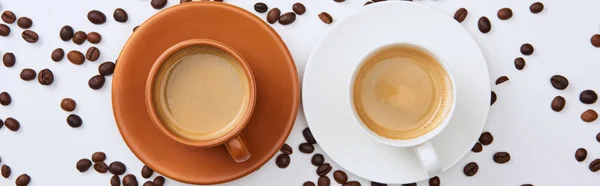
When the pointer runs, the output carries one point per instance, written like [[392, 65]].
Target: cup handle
[[238, 149], [429, 159]]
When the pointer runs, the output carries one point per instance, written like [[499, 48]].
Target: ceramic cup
[[233, 140], [421, 145]]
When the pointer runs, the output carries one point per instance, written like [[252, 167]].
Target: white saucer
[[330, 66]]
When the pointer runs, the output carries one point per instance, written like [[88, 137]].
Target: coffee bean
[[435, 181], [282, 161], [117, 168], [595, 165], [92, 54], [66, 33], [527, 49], [323, 169], [159, 181], [8, 17], [30, 36], [130, 180], [589, 115], [505, 13], [68, 104], [45, 77], [317, 159], [501, 79], [368, 3], [559, 82], [519, 63], [340, 177], [74, 121], [486, 138], [588, 97], [106, 68], [410, 184], [79, 37], [558, 103], [286, 149], [377, 184], [339, 1], [115, 181], [299, 8], [83, 165], [97, 156], [96, 17], [5, 99], [120, 15], [23, 180], [4, 30], [96, 82], [484, 25], [596, 40], [147, 172], [12, 124], [471, 169], [580, 154], [477, 147], [94, 37], [527, 185], [5, 171], [352, 183], [1, 125], [308, 136], [158, 4], [101, 167], [325, 17], [261, 7], [493, 99], [323, 181], [24, 22], [501, 157], [273, 15], [308, 183], [287, 18], [75, 57], [9, 59], [536, 7], [57, 55], [306, 148], [598, 137], [148, 183], [28, 74], [460, 14]]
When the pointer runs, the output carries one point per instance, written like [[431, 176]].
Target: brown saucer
[[268, 57]]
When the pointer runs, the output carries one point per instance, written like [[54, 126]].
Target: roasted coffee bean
[[261, 7], [287, 18], [4, 30], [595, 165], [317, 159], [527, 49], [46, 77], [130, 180], [68, 104], [461, 14], [83, 165], [9, 59], [588, 97], [352, 183], [340, 177], [596, 40], [471, 169], [325, 17], [92, 54], [501, 79], [30, 36], [106, 68], [159, 181], [66, 33], [96, 82], [368, 3], [527, 185], [282, 161], [117, 168], [536, 7], [299, 8], [273, 15], [486, 138], [23, 180], [24, 22], [28, 74], [94, 37], [12, 124], [323, 169], [101, 167], [74, 121], [5, 171], [286, 149], [501, 157], [158, 4], [306, 148], [559, 82], [75, 57], [477, 147], [484, 25], [115, 181], [435, 181], [79, 37], [9, 17], [558, 103], [96, 17], [519, 63], [339, 1], [57, 55], [598, 137], [308, 136], [493, 99], [589, 115], [580, 154], [148, 183], [410, 184], [5, 99], [1, 125], [147, 172], [120, 15], [97, 156], [308, 183], [505, 13], [323, 181]]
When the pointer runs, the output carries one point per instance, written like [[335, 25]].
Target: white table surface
[[541, 142]]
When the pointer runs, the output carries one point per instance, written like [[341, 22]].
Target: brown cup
[[233, 140]]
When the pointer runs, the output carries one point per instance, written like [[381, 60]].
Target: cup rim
[[403, 142], [150, 86]]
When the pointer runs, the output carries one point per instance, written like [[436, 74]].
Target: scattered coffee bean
[[325, 17], [410, 184], [83, 165], [106, 68], [130, 180], [558, 103], [158, 4], [147, 172], [323, 169], [435, 181], [23, 180], [323, 181], [580, 154], [287, 18], [595, 165], [527, 49], [5, 99], [24, 22], [484, 25], [340, 177], [519, 63], [4, 30], [588, 97], [9, 59], [501, 79], [501, 157], [282, 161], [28, 74], [68, 104], [317, 159], [536, 7], [505, 13], [471, 169], [101, 167], [5, 171], [74, 121], [368, 3], [306, 148], [339, 1], [79, 37], [589, 115], [486, 138], [30, 36], [286, 149], [46, 77], [159, 181], [598, 137], [57, 55], [148, 183], [308, 183], [1, 125], [377, 184], [96, 82], [12, 124], [460, 14], [66, 33], [596, 40], [96, 17], [352, 183], [117, 168], [493, 99], [308, 136], [115, 181], [94, 37], [273, 15], [477, 147], [97, 156], [92, 54], [299, 8], [120, 15], [8, 17], [559, 82], [261, 7], [75, 57]]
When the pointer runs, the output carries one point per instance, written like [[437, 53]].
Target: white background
[[542, 143]]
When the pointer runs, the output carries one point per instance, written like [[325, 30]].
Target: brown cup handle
[[238, 149]]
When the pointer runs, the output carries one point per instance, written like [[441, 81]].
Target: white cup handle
[[429, 159]]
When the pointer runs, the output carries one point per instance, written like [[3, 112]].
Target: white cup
[[421, 145]]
